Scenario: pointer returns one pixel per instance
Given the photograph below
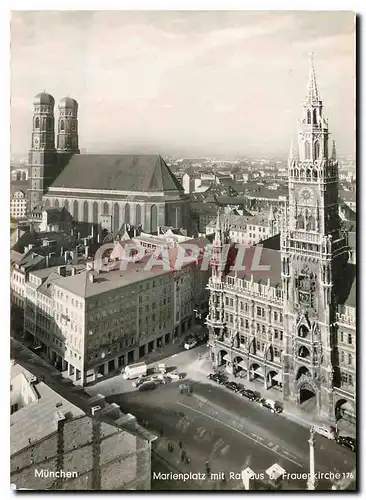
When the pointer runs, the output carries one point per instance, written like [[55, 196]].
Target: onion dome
[[44, 99], [68, 103]]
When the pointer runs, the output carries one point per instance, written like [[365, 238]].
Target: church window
[[316, 150], [315, 174], [314, 117], [300, 222], [37, 123], [62, 125], [105, 208], [307, 150], [311, 224], [309, 116]]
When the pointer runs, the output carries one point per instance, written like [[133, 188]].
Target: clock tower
[[313, 252], [42, 155]]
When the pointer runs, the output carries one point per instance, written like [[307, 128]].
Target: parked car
[[327, 432], [347, 442], [219, 378], [141, 380], [147, 386], [271, 405], [233, 386], [190, 344], [247, 393]]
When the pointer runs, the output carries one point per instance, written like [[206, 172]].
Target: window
[[307, 150], [308, 116], [350, 359], [243, 339], [342, 357], [226, 301], [231, 302], [350, 339], [231, 318], [62, 125], [276, 334], [275, 316], [260, 312], [37, 123]]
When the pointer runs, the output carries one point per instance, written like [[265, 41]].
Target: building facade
[[89, 322], [18, 205], [295, 325]]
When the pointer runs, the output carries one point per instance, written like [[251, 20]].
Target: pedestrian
[[180, 444], [183, 456]]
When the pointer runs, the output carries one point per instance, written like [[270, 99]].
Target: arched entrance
[[273, 379], [255, 371], [239, 367], [307, 391], [222, 358], [343, 411]]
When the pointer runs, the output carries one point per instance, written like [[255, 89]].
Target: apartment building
[[91, 322]]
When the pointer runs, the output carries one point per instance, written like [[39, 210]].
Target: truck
[[135, 371]]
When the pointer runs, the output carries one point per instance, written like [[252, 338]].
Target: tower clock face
[[306, 196]]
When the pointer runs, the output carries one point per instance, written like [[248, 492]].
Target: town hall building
[[293, 327]]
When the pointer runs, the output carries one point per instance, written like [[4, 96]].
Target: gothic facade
[[294, 326], [102, 191]]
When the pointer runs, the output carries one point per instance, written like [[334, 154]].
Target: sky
[[184, 83]]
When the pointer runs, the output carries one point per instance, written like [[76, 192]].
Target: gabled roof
[[147, 173]]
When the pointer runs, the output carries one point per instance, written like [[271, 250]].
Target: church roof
[[117, 173]]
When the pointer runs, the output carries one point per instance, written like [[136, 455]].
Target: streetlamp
[[311, 480]]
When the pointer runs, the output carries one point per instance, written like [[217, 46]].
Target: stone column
[[69, 369], [116, 363], [106, 369], [76, 373]]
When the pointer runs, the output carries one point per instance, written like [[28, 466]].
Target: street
[[212, 424]]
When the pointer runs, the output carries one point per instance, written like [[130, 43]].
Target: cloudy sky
[[184, 83]]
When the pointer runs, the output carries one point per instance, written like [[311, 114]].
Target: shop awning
[[278, 377], [347, 407], [226, 357], [243, 364], [259, 371]]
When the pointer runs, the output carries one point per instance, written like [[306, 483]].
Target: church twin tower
[[45, 161]]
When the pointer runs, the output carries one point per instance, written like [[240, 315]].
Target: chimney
[[86, 251], [59, 419], [47, 261], [66, 256], [62, 251], [62, 270]]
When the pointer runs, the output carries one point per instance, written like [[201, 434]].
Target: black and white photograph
[[183, 250]]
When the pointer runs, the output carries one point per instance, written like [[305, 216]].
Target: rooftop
[[36, 420], [147, 173]]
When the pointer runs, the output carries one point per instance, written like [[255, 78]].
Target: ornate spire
[[334, 152], [271, 214], [313, 94], [217, 240]]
